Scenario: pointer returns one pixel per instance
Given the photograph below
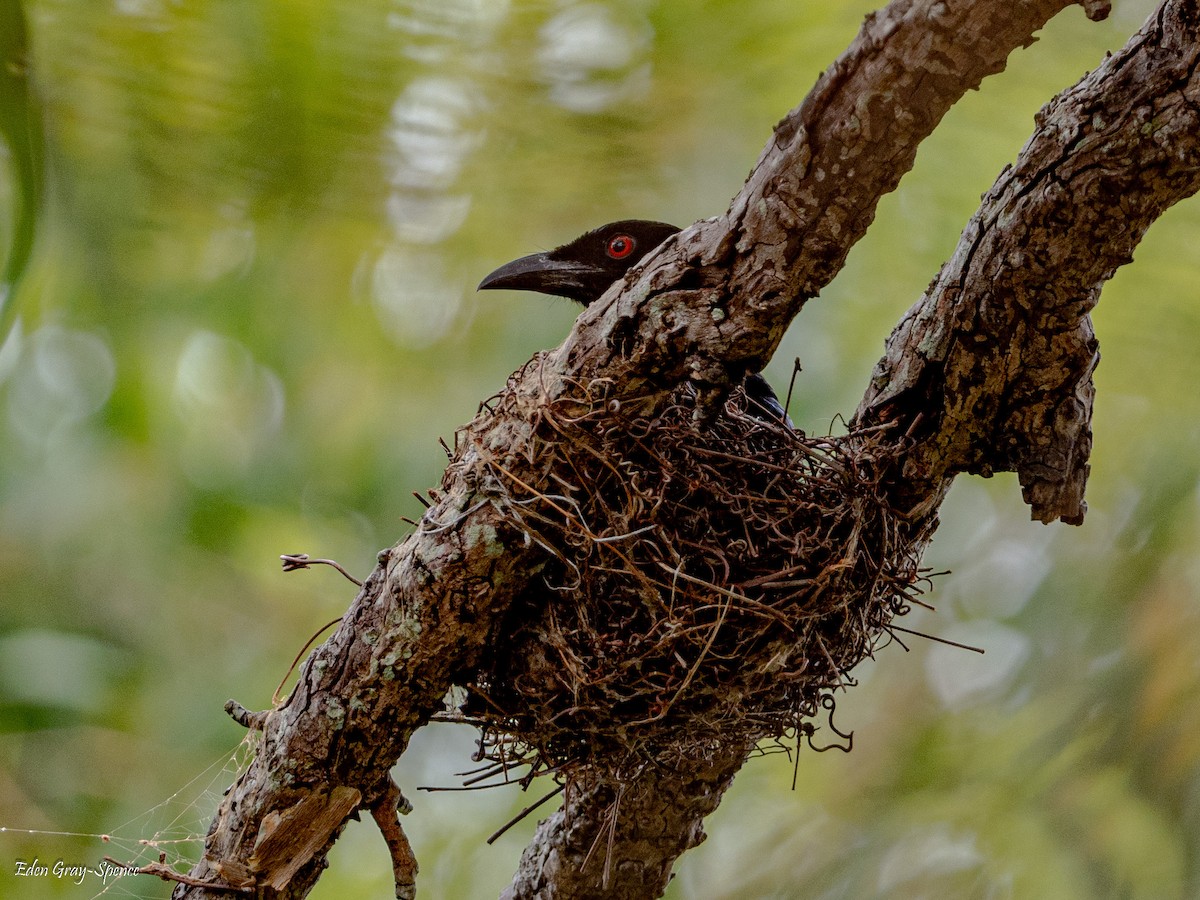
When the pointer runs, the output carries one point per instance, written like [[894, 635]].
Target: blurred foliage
[[21, 150], [250, 315]]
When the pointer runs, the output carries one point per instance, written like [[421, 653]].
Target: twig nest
[[705, 582]]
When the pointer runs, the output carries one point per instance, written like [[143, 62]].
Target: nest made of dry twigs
[[706, 582]]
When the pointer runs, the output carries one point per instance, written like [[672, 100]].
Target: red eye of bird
[[620, 246]]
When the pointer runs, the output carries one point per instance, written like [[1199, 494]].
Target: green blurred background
[[249, 314]]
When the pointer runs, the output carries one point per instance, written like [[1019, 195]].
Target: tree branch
[[717, 303], [709, 305], [997, 357], [619, 836]]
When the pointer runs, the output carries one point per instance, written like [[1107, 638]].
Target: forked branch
[[991, 370]]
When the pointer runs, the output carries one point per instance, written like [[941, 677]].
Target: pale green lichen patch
[[335, 712], [484, 536], [409, 609], [386, 665], [409, 629]]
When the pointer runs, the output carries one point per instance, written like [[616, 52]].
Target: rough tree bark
[[990, 371]]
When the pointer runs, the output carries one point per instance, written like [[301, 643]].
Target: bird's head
[[585, 268]]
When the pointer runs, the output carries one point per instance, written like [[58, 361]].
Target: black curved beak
[[540, 272]]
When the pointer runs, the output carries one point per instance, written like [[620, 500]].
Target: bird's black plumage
[[589, 265], [585, 268]]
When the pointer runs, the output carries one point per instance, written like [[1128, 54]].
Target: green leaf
[[21, 131]]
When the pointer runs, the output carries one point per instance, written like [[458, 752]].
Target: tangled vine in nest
[[704, 583]]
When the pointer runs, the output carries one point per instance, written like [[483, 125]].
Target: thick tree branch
[[997, 358], [712, 303], [618, 837], [718, 302]]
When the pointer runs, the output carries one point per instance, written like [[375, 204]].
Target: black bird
[[589, 265]]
